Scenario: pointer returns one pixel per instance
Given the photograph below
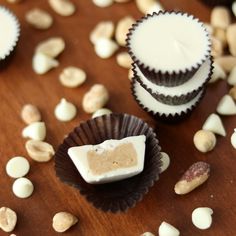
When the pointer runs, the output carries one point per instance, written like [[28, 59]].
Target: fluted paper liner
[[115, 196], [169, 79], [173, 100]]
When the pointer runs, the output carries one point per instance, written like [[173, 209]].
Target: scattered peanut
[[96, 98], [35, 131], [105, 48], [30, 114], [231, 35], [226, 106], [51, 47], [39, 19], [209, 28], [62, 221], [155, 8], [122, 29], [232, 77], [202, 217], [144, 6], [220, 34], [72, 77], [101, 112], [14, 1], [220, 17], [166, 229], [62, 7], [104, 29], [226, 62], [39, 151], [204, 140], [103, 3], [216, 47], [124, 60], [195, 176], [23, 188], [130, 74], [8, 219], [232, 93], [122, 1]]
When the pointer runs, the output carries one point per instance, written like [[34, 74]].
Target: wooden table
[[20, 85]]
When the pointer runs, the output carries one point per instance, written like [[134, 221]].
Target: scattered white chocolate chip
[[62, 221], [155, 8], [124, 60], [231, 35], [202, 217], [65, 111], [105, 47], [43, 63], [35, 131], [214, 124], [226, 106], [233, 139], [234, 8], [130, 74], [101, 112], [72, 77], [103, 3], [216, 47], [220, 17], [39, 151], [23, 188], [39, 18], [232, 77], [8, 219], [62, 7], [147, 234], [51, 47], [122, 29], [226, 62], [30, 114], [165, 161], [166, 229], [218, 73], [204, 140], [95, 99], [232, 93], [17, 167], [144, 6], [104, 29]]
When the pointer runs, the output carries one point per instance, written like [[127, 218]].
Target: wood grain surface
[[20, 85]]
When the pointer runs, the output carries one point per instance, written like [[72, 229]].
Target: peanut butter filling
[[122, 156]]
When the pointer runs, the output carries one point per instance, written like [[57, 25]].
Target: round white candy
[[166, 229], [17, 167], [101, 112], [202, 217], [22, 188], [165, 161]]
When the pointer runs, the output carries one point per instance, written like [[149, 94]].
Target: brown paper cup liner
[[174, 100], [168, 79], [167, 118], [5, 59], [115, 196]]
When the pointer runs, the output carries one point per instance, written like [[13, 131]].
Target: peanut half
[[8, 219], [30, 114], [62, 7]]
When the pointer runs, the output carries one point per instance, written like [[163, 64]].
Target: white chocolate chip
[[23, 188], [95, 99], [39, 19], [233, 139], [214, 124], [103, 3], [62, 7], [122, 29], [165, 162], [65, 111], [147, 234], [17, 167], [226, 62], [39, 151], [232, 93], [62, 221], [166, 229], [35, 131], [218, 73], [226, 106], [220, 17], [232, 77], [30, 114], [43, 63], [72, 77], [234, 8], [124, 60], [104, 29], [51, 47], [101, 112], [105, 48], [202, 217], [204, 140], [8, 219]]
